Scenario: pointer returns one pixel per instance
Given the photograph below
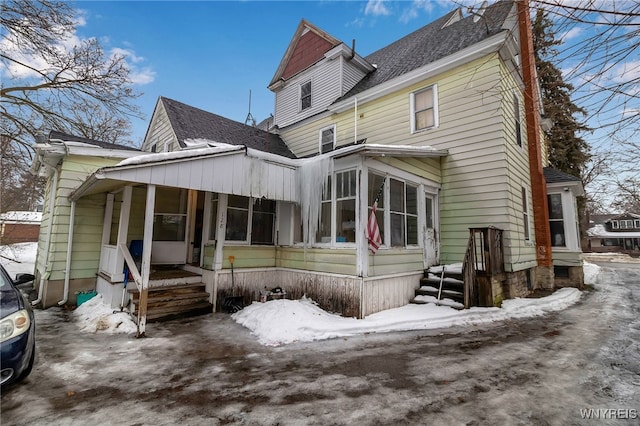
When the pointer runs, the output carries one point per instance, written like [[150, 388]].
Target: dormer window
[[327, 139], [305, 96], [424, 109]]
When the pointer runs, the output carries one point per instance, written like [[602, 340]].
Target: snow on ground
[[19, 258], [280, 322]]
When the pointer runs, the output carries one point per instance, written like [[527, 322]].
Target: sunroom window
[[261, 226], [403, 207], [346, 207]]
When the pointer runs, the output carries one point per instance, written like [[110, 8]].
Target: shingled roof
[[432, 42], [54, 134], [193, 123], [552, 175]]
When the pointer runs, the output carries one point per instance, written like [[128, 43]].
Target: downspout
[[47, 242], [67, 269], [355, 121]]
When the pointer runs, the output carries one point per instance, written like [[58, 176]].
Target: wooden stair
[[452, 293], [175, 301]]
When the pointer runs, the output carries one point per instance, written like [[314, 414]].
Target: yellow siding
[[249, 257], [394, 261], [483, 173], [336, 261], [89, 215]]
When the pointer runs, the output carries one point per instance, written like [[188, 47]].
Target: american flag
[[373, 232]]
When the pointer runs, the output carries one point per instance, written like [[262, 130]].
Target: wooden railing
[[484, 258], [142, 289]]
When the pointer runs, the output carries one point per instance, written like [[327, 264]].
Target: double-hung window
[[305, 96], [556, 221], [327, 139], [424, 109]]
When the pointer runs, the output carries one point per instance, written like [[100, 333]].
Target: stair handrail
[[469, 272], [137, 278]]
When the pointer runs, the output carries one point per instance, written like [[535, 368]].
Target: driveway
[[552, 370]]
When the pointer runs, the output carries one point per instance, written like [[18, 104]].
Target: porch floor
[[169, 272]]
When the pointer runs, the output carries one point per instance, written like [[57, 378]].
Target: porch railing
[[484, 258], [142, 289], [109, 260]]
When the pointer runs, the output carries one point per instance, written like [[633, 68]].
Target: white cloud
[[376, 8], [26, 64], [571, 34]]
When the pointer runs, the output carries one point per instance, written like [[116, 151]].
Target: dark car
[[17, 330]]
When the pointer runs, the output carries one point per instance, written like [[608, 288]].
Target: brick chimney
[[544, 272]]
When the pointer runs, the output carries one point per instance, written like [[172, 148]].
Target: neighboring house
[[19, 227], [440, 131], [614, 233]]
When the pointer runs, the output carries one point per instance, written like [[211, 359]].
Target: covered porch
[[200, 210]]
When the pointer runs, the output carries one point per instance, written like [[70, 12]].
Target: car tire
[[27, 370]]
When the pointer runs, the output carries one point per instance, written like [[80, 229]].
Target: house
[[19, 226], [66, 161], [618, 233], [434, 142]]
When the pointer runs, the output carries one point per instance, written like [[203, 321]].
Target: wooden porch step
[[172, 312], [169, 302]]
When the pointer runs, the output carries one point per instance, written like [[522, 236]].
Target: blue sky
[[210, 54]]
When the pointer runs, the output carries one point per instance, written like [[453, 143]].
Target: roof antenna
[[250, 119]]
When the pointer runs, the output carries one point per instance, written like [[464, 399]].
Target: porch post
[[146, 258], [108, 216], [123, 231]]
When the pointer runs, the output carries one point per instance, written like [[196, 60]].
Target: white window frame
[[636, 223], [525, 213], [301, 108], [614, 224], [249, 225], [518, 119], [412, 103], [320, 134]]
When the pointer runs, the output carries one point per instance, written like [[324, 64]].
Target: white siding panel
[[325, 88]]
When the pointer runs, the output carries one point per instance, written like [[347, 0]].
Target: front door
[[430, 233]]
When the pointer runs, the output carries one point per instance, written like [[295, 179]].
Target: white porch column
[[146, 258], [108, 216], [123, 231]]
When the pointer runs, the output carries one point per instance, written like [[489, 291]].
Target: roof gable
[[193, 123], [308, 46], [443, 37]]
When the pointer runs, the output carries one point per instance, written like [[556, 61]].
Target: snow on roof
[[21, 217], [601, 232], [174, 155]]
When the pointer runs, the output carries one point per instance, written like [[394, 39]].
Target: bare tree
[[600, 56], [51, 79]]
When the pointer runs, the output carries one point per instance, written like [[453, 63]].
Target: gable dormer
[[315, 70]]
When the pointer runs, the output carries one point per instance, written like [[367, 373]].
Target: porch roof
[[229, 169]]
